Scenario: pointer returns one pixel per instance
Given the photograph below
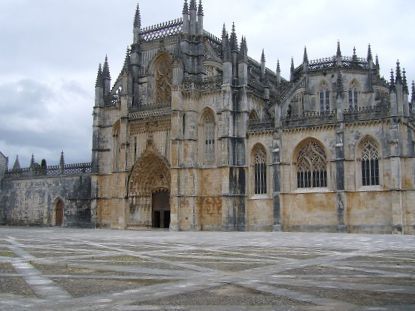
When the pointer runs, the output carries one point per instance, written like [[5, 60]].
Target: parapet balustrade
[[49, 171]]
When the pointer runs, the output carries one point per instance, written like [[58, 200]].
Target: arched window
[[208, 123], [353, 95], [370, 163], [260, 170], [311, 166], [324, 95]]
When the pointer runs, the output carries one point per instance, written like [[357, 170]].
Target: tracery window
[[209, 137], [311, 166], [260, 171], [324, 95], [370, 163]]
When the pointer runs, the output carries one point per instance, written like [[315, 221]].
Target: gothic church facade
[[196, 135]]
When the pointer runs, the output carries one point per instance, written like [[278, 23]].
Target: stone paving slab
[[84, 269]]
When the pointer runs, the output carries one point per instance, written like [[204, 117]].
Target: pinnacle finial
[[398, 72], [98, 83], [339, 52], [32, 160], [405, 82], [234, 39], [185, 7], [278, 66], [137, 17], [263, 56], [243, 55], [62, 159], [305, 57], [200, 8], [392, 81], [377, 62], [226, 49], [292, 70], [106, 70], [354, 57], [193, 5], [127, 60], [16, 165], [369, 53], [224, 32]]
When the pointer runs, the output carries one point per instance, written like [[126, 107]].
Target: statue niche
[[163, 80]]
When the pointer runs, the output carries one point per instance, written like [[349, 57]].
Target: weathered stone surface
[[233, 145], [34, 201]]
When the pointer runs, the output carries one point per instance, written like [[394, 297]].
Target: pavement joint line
[[295, 295], [41, 285], [132, 253], [262, 278]]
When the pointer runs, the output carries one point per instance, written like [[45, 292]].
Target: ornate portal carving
[[163, 76]]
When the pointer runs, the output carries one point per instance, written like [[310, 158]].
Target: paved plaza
[[70, 269]]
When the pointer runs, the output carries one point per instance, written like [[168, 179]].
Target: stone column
[[340, 177], [276, 175]]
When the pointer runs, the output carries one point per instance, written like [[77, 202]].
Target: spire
[[339, 52], [292, 70], [405, 82], [106, 70], [354, 58], [185, 8], [137, 17], [369, 54], [234, 39], [200, 8], [62, 160], [16, 165], [377, 63], [32, 160], [278, 72], [98, 83], [243, 55], [192, 5], [398, 72], [392, 81], [126, 66], [263, 65], [224, 32], [226, 49], [305, 57]]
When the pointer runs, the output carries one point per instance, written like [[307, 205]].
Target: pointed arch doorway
[[149, 191], [59, 209]]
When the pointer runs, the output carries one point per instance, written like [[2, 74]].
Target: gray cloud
[[50, 50]]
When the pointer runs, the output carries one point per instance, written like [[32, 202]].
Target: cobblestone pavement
[[69, 269]]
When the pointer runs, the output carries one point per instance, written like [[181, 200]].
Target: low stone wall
[[33, 201]]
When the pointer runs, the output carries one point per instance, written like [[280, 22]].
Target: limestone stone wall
[[33, 201], [309, 212], [3, 165], [384, 208]]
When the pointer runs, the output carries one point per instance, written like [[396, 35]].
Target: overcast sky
[[50, 50]]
